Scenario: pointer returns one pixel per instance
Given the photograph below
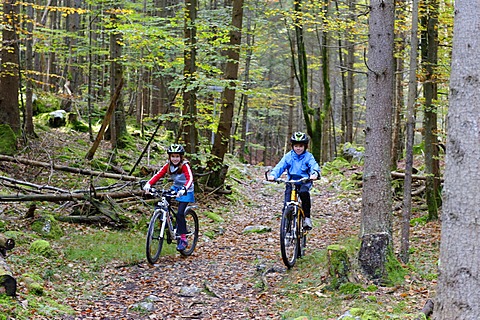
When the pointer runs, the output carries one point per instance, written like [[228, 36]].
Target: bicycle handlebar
[[280, 180], [163, 193], [291, 181]]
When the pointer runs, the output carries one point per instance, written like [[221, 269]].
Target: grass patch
[[105, 246]]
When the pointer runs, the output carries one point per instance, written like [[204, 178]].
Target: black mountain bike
[[293, 235], [163, 226]]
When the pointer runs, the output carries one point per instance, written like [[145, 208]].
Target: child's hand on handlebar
[[270, 178], [181, 192], [147, 187]]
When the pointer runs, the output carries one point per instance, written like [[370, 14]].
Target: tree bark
[[429, 59], [376, 219], [106, 121], [190, 133], [222, 138], [458, 292], [409, 132], [9, 68]]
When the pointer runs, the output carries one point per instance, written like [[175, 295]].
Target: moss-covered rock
[[42, 247], [47, 227], [8, 140], [33, 283]]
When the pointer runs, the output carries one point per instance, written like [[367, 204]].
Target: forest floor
[[237, 275]]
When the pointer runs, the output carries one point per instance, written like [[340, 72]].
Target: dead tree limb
[[426, 311], [105, 122], [68, 169], [67, 196], [402, 175]]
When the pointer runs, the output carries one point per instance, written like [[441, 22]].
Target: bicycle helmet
[[299, 137], [176, 148]]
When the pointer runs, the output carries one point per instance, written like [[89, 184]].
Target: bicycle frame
[[167, 223], [163, 225], [292, 233]]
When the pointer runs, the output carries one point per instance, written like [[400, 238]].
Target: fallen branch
[[426, 311], [67, 196], [68, 169], [414, 176]]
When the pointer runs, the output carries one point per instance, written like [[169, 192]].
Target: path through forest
[[234, 276]]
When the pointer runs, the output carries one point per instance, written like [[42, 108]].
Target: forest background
[[224, 78]]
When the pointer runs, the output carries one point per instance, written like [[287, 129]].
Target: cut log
[[7, 280], [372, 255], [6, 243], [338, 265]]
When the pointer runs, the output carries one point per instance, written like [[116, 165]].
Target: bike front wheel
[[191, 219], [302, 235], [155, 236], [289, 242]]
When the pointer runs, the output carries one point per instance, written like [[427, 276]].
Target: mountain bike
[[293, 235], [163, 226]]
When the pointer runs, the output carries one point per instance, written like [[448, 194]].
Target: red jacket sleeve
[[187, 171], [160, 174]]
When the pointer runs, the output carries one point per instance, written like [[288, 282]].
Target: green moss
[[350, 288], [47, 227], [215, 217], [42, 247], [395, 271], [8, 140], [371, 288], [420, 221], [76, 124]]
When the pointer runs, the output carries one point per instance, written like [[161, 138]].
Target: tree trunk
[[9, 69], [409, 132], [349, 105], [190, 133], [28, 116], [429, 59], [220, 144], [458, 293], [118, 126], [376, 195], [250, 41]]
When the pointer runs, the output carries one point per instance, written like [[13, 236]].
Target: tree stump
[[338, 265], [372, 255], [7, 280]]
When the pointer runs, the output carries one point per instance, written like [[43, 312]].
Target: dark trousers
[[181, 223], [304, 194]]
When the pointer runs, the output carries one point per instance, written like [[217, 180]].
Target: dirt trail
[[226, 277]]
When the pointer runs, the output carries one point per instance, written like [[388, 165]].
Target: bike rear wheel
[[192, 231], [155, 237], [289, 242]]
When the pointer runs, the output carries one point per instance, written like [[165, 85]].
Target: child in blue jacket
[[299, 163]]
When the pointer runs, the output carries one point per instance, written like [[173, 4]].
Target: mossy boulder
[[34, 283], [47, 227], [8, 140], [42, 247]]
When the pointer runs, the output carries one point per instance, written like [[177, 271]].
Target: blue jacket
[[297, 166]]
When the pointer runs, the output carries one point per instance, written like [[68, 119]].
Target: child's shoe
[[182, 245], [307, 224]]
